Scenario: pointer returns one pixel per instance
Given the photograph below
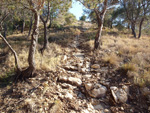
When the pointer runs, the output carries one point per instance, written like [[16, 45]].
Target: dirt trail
[[78, 86]]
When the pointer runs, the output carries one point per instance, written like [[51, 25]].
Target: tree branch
[[13, 51]]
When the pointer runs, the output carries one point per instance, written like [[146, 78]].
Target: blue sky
[[77, 9]]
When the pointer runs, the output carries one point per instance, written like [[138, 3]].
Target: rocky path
[[82, 88], [79, 86]]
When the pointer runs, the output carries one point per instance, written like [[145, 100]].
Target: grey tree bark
[[140, 27], [100, 19], [14, 52], [133, 29], [45, 44]]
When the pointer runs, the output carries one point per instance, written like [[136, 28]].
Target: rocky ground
[[80, 85]]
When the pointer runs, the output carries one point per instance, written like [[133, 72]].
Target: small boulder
[[87, 76], [88, 86], [85, 111], [63, 78], [119, 94], [68, 96], [75, 81], [95, 66], [96, 90]]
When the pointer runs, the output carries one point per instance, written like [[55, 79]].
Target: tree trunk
[[30, 27], [98, 36], [133, 30], [45, 45], [23, 26], [34, 38], [50, 24], [29, 72], [100, 27], [140, 27], [128, 25], [111, 24], [5, 30]]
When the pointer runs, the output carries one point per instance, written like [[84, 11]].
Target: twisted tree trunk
[[45, 44], [100, 19], [5, 30], [140, 27], [29, 72], [133, 30], [100, 27], [98, 36]]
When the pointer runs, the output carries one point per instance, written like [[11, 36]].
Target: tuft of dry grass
[[129, 67], [48, 62], [112, 59]]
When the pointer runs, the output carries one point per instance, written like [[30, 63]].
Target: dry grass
[[129, 67], [112, 59], [130, 54], [48, 62]]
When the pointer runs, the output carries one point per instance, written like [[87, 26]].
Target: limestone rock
[[64, 58], [87, 76], [74, 68], [95, 66], [83, 70], [63, 78], [88, 86], [71, 80], [68, 96], [85, 111], [119, 94], [75, 81], [96, 90]]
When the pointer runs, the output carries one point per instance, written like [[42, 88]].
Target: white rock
[[95, 91], [106, 111], [68, 96], [95, 66], [75, 81], [113, 94], [87, 76], [64, 79], [64, 57], [126, 89], [72, 111], [85, 111], [88, 86], [122, 108], [83, 70], [100, 92], [119, 94], [71, 68]]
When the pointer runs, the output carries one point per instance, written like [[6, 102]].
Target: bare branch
[[13, 51]]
